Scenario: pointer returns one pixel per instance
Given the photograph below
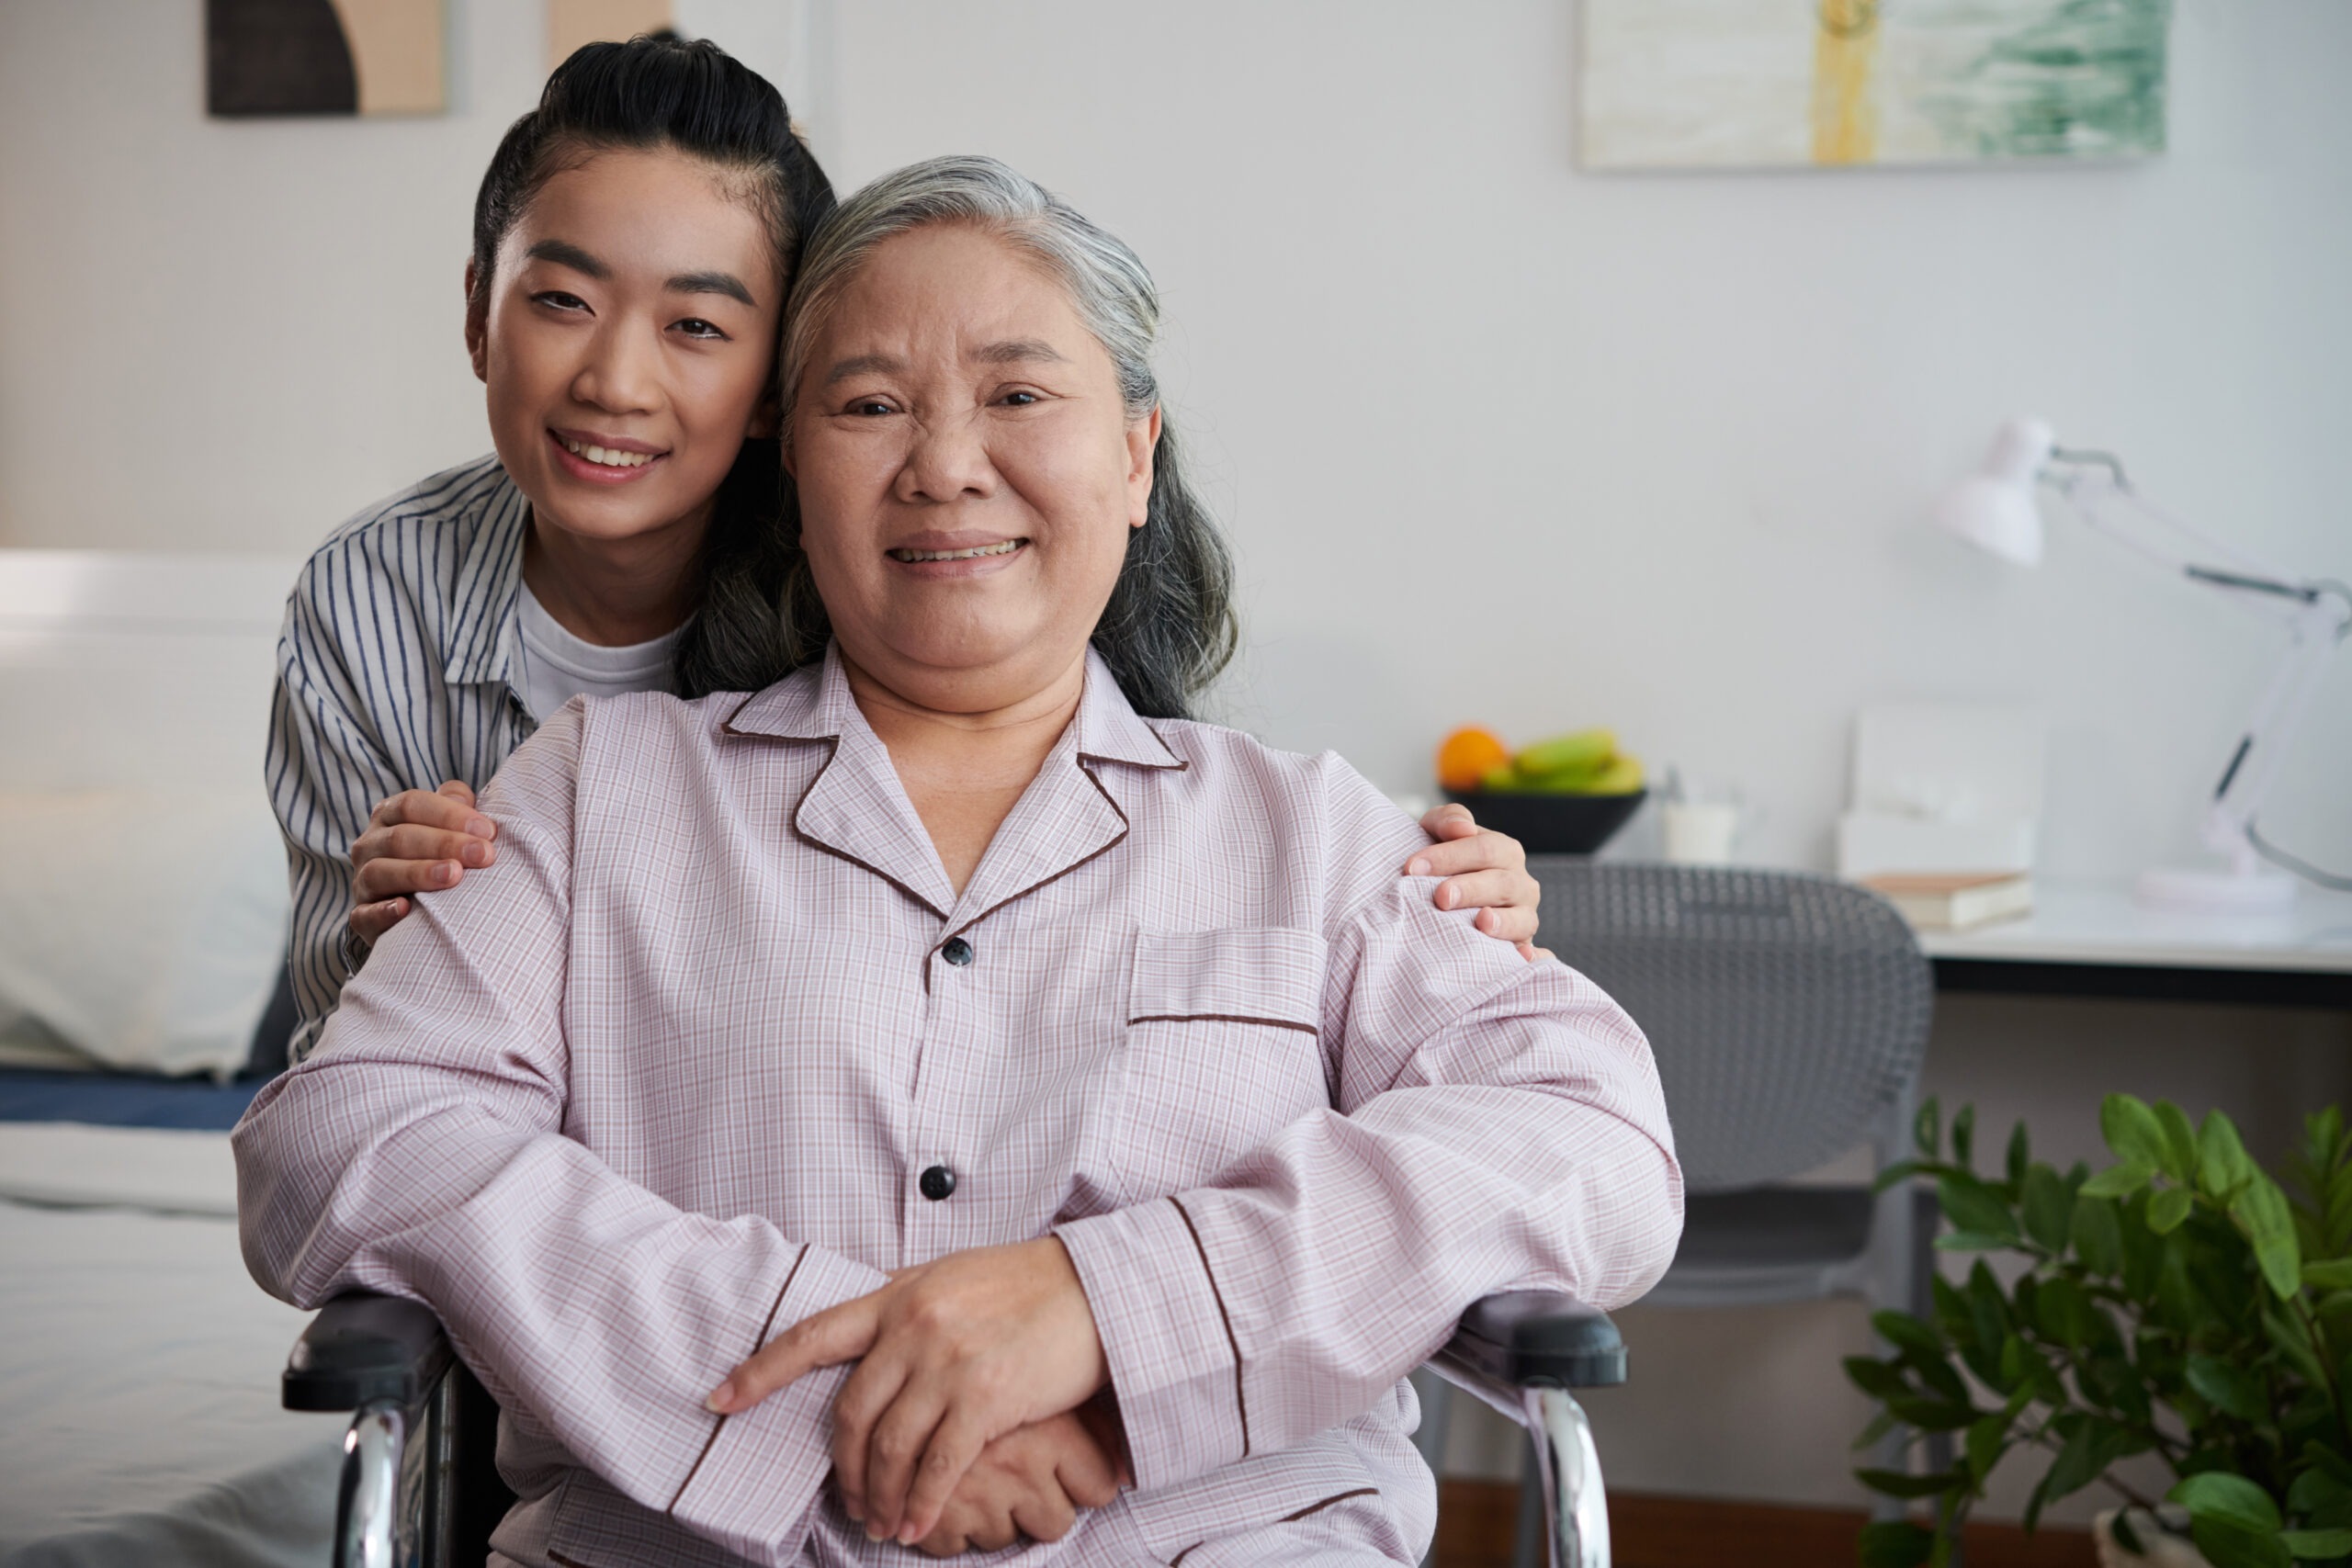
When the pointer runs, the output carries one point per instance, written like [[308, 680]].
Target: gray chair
[[419, 1489], [1788, 1015]]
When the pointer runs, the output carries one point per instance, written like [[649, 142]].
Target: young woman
[[633, 241]]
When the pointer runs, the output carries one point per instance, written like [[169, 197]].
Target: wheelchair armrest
[[1535, 1339], [362, 1349]]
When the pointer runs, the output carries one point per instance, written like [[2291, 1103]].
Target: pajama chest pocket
[[1221, 1050]]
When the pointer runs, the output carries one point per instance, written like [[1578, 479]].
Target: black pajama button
[[959, 952], [937, 1183]]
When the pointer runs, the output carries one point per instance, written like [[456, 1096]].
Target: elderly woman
[[956, 1009]]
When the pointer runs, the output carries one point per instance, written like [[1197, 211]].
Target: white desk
[[2096, 941]]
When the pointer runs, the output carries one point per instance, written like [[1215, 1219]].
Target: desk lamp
[[1994, 509]]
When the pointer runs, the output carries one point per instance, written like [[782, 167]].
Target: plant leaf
[[1880, 1425], [2330, 1274], [1907, 1334], [2228, 1387], [2020, 1156], [1973, 1208], [1989, 1439], [2033, 1503], [2047, 1205], [2218, 1495], [2097, 1235], [2320, 1497], [2063, 1312], [1902, 1170], [2143, 1250], [2317, 1546], [2118, 1180], [2179, 1158], [1903, 1484], [1927, 1130], [2091, 1447], [1895, 1543], [2261, 1211], [1972, 1241], [2133, 1132], [2167, 1209], [1880, 1380], [1964, 1137], [1931, 1415], [2295, 1342], [1988, 1312], [2221, 1162], [2228, 1545]]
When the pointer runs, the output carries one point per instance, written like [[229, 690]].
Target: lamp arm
[[2094, 484], [2318, 615], [2318, 625]]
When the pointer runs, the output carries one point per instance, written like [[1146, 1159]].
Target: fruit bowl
[[1552, 824]]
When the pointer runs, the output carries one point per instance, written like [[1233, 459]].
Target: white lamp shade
[[1994, 508]]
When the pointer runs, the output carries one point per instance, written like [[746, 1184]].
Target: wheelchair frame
[[419, 1489]]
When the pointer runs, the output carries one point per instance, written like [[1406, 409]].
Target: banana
[[1585, 752], [1622, 776]]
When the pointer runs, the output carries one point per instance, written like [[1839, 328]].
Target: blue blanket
[[118, 1100]]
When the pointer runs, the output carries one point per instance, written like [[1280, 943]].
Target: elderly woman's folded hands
[[953, 1356]]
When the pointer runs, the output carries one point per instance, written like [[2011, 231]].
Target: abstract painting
[[322, 57], [571, 23], [1750, 83]]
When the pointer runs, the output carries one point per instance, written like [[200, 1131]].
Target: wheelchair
[[419, 1488]]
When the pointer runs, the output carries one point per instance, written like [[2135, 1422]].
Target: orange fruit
[[1466, 754]]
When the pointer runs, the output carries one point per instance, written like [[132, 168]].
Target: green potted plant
[[2179, 1303]]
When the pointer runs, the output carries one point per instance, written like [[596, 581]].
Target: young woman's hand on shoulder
[[1485, 871], [417, 842]]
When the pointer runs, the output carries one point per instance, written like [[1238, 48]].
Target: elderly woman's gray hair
[[1168, 629]]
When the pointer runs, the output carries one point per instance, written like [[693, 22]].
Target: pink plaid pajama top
[[706, 1050]]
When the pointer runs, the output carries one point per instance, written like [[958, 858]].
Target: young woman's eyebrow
[[563, 252], [725, 283]]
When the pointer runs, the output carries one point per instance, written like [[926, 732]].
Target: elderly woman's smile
[[969, 470], [952, 550]]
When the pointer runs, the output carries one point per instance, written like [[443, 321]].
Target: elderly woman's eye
[[1021, 400], [871, 406]]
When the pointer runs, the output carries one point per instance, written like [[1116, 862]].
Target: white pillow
[[143, 930]]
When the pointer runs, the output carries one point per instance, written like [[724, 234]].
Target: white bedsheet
[[139, 1365]]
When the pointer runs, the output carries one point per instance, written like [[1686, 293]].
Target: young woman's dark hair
[[660, 91]]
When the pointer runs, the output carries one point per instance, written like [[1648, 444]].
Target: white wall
[[1498, 440]]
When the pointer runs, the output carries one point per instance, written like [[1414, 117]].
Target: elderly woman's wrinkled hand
[[953, 1354], [1029, 1483]]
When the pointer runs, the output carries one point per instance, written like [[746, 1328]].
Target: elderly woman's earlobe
[[1142, 457]]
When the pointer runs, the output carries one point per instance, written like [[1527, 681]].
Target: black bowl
[[1553, 824]]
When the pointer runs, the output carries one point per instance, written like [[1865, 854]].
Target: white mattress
[[139, 1364]]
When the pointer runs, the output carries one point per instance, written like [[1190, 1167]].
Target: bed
[[137, 1362]]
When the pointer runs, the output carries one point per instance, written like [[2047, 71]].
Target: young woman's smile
[[599, 460]]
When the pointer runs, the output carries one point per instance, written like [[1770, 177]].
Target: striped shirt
[[399, 666]]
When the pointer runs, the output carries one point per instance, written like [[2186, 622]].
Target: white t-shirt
[[558, 666]]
